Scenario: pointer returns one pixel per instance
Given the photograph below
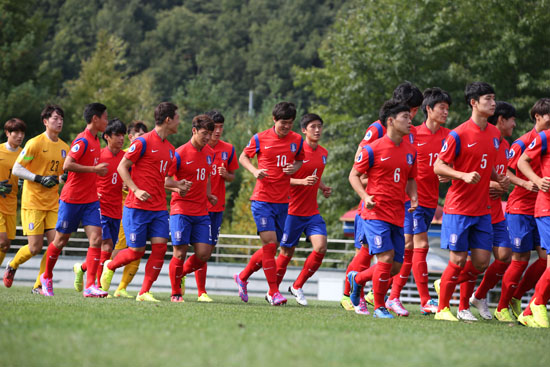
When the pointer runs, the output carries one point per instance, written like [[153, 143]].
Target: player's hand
[[414, 205], [213, 199], [310, 180], [124, 186], [260, 173], [64, 176], [183, 187], [327, 191], [443, 179], [5, 188], [544, 184], [530, 186], [46, 181], [471, 177], [369, 202], [504, 182], [142, 195], [222, 171], [290, 169], [101, 169]]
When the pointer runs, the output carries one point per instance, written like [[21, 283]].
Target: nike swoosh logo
[[154, 267], [384, 159], [96, 259], [45, 151], [53, 258], [424, 274], [402, 277], [306, 161], [420, 144], [454, 278], [383, 280], [269, 268], [91, 150], [271, 146], [499, 275], [154, 151], [189, 162], [471, 145]]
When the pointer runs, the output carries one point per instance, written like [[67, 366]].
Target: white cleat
[[481, 305], [466, 315], [299, 294]]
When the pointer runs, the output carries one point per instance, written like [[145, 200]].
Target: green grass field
[[68, 330]]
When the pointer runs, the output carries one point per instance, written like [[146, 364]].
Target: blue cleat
[[382, 313], [355, 294]]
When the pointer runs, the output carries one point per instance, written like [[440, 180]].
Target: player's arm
[[226, 174], [308, 181], [291, 168], [502, 180], [355, 181], [22, 172], [527, 185], [411, 190], [524, 165], [71, 165], [181, 187], [327, 191], [123, 170], [245, 161], [444, 169]]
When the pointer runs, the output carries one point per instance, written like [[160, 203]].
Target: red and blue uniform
[[501, 236], [109, 189]]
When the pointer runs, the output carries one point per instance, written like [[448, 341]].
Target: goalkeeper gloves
[[47, 181], [5, 188]]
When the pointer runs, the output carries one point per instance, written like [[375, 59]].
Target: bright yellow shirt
[[8, 205]]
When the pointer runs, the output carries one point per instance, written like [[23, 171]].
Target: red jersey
[[303, 199], [224, 155], [85, 150], [388, 167], [109, 187], [428, 145], [274, 153], [522, 201], [193, 165], [151, 157], [501, 164], [538, 150], [374, 132], [468, 149]]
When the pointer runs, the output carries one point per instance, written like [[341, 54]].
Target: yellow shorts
[[7, 224], [121, 243], [36, 222]]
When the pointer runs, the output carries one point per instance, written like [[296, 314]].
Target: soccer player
[[303, 211], [77, 205], [280, 154], [14, 129], [520, 218], [224, 165], [504, 119], [189, 219], [109, 191], [144, 215], [468, 158], [390, 165], [40, 164]]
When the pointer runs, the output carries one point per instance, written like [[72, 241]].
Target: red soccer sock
[[527, 311], [124, 257], [530, 278], [380, 280], [153, 266], [420, 273], [282, 263], [253, 265], [105, 255], [360, 262], [466, 290], [52, 253], [270, 266], [448, 283], [83, 266], [542, 289], [468, 272], [494, 273], [313, 262], [510, 282], [363, 277], [175, 272], [92, 263], [399, 280], [193, 263], [200, 279]]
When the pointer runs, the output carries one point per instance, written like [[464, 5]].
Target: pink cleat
[[177, 298], [95, 292], [243, 293], [276, 299], [396, 306], [362, 308], [47, 286]]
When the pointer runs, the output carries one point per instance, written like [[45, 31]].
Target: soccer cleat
[[466, 315], [355, 293], [122, 293], [382, 313], [369, 298], [445, 315], [106, 276], [437, 286], [182, 285], [528, 321], [276, 299], [429, 307], [205, 298], [540, 315], [346, 304], [515, 305], [37, 290], [47, 286], [94, 291], [299, 294], [175, 298], [504, 315], [146, 297], [242, 288], [481, 305], [78, 277], [9, 274], [396, 306], [362, 309]]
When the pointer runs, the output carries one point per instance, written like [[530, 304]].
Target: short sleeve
[[364, 160], [537, 147], [451, 146], [78, 149], [134, 152], [253, 147], [232, 161]]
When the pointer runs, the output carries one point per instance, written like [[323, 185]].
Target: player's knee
[[203, 257], [4, 245]]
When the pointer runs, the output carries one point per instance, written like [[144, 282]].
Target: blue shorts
[[422, 219], [215, 225], [408, 224], [383, 236], [524, 233], [269, 216], [187, 229], [501, 237], [295, 226], [358, 233], [543, 225], [110, 228], [140, 225], [69, 216], [463, 232]]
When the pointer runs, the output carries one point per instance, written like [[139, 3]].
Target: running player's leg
[[400, 279]]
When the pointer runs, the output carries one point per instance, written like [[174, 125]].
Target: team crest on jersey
[[378, 241], [224, 156], [532, 145], [411, 138], [496, 143], [178, 235], [360, 157], [133, 237], [63, 153], [209, 159], [410, 159], [75, 148], [293, 147], [64, 224], [511, 154], [445, 146], [368, 135], [31, 226], [132, 148], [324, 159], [453, 239], [263, 221]]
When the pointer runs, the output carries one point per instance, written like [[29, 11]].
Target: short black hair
[[15, 124], [504, 109], [477, 89], [163, 111], [391, 108], [409, 94], [308, 118], [216, 116], [203, 122], [115, 126], [284, 111], [433, 96], [541, 107], [135, 126], [93, 109], [48, 111]]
